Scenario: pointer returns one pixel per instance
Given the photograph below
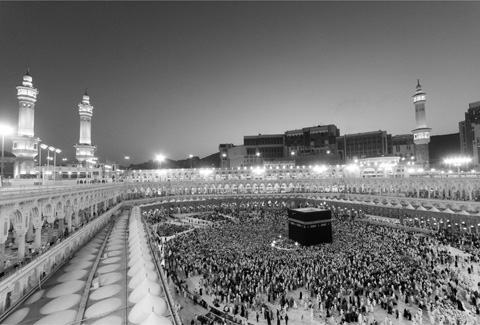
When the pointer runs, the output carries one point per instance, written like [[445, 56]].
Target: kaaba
[[310, 226]]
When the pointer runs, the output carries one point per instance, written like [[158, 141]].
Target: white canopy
[[409, 207], [150, 303], [154, 318], [146, 286], [138, 278]]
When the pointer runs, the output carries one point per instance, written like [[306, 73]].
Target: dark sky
[[180, 78]]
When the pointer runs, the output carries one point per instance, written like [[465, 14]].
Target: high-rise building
[[443, 146], [470, 133], [364, 145], [421, 133], [265, 146], [223, 149], [403, 146], [85, 151], [25, 145], [316, 140]]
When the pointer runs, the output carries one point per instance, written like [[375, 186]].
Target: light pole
[[52, 149], [458, 162], [43, 146], [39, 175], [55, 162], [159, 159], [5, 130], [191, 161]]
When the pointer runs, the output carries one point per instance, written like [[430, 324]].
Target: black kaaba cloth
[[310, 226]]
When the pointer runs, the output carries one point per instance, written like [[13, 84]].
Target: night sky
[[180, 78]]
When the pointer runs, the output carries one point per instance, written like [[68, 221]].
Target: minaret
[[85, 150], [421, 134], [25, 146]]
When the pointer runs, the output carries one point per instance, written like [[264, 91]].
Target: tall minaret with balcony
[[421, 134], [85, 150], [25, 145]]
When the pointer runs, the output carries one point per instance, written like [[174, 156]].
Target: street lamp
[[4, 130], [458, 162], [52, 149], [55, 162], [42, 146], [191, 160], [160, 158]]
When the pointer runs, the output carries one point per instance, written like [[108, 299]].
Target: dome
[[27, 79], [86, 98]]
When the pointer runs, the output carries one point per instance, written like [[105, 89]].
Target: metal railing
[[176, 318], [12, 193]]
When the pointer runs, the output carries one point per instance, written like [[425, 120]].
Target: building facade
[[403, 146], [442, 147], [316, 140], [265, 146], [237, 157], [224, 158], [364, 145], [470, 133]]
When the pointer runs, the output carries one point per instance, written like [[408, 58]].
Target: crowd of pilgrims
[[365, 266], [170, 229], [212, 217]]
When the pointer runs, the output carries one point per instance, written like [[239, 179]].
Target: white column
[[38, 238], [21, 244]]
